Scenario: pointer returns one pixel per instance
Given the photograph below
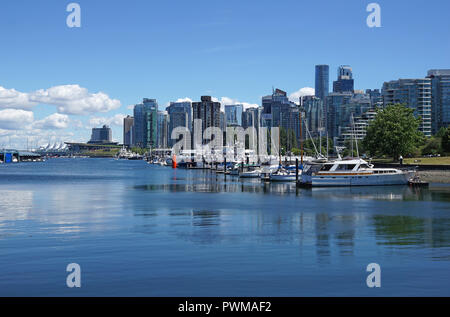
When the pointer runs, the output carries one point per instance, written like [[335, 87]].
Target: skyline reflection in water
[[133, 225]]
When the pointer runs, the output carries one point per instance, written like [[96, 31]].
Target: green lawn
[[445, 160]]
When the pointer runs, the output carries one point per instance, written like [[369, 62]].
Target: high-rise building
[[345, 82], [414, 94], [335, 101], [233, 114], [208, 112], [278, 111], [314, 114], [128, 124], [440, 98], [145, 123], [101, 135], [322, 81], [251, 117], [163, 130], [375, 97], [180, 115]]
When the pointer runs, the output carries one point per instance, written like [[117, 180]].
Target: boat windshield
[[326, 167], [345, 167]]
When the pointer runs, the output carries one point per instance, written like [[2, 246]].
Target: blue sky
[[167, 50]]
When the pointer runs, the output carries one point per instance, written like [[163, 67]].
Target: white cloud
[[230, 101], [54, 121], [69, 99], [186, 99], [305, 91], [73, 99], [11, 98], [116, 120], [13, 119]]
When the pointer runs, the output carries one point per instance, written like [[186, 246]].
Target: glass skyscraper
[[233, 114], [344, 82], [322, 81], [145, 123], [440, 98], [180, 115]]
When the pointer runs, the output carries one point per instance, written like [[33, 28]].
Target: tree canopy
[[393, 132], [445, 142]]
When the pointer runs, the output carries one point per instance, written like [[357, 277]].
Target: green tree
[[445, 142], [393, 132], [432, 146], [441, 132]]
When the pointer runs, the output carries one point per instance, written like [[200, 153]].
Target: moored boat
[[353, 172]]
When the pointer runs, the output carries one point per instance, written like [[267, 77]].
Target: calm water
[[141, 230]]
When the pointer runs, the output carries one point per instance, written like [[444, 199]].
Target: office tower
[[251, 117], [101, 135], [414, 94], [223, 121], [180, 115], [208, 112], [278, 111], [335, 101], [345, 81], [314, 114], [163, 130], [375, 97], [440, 98], [145, 123], [233, 114], [322, 81], [128, 123]]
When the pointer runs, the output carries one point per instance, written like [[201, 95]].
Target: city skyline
[[101, 76]]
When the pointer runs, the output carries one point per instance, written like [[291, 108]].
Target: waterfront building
[[128, 124], [440, 98], [322, 81], [251, 117], [101, 135], [357, 129], [314, 114], [345, 82], [376, 98], [208, 112], [145, 123], [180, 115], [342, 107], [414, 94], [163, 130], [233, 114], [278, 111]]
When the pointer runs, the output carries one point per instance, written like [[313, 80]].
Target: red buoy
[[174, 161]]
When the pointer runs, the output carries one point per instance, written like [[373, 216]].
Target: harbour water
[[142, 230]]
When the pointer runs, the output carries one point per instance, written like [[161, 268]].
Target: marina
[[149, 230]]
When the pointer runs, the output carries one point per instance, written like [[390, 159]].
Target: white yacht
[[353, 172]]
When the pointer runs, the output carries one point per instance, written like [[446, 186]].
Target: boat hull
[[282, 178], [358, 180]]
